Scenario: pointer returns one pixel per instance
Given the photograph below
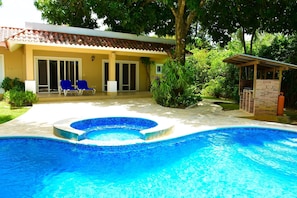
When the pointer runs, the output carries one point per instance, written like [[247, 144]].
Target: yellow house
[[41, 55]]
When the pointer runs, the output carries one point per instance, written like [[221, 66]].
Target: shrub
[[213, 88], [176, 87], [8, 84], [20, 98]]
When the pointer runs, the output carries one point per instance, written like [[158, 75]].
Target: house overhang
[[13, 45], [81, 38]]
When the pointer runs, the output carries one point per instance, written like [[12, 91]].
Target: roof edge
[[91, 32], [229, 60], [15, 45]]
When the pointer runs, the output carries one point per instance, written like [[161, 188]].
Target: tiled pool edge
[[157, 132], [63, 129]]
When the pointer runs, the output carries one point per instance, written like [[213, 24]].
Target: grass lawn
[[292, 114], [226, 104], [7, 114]]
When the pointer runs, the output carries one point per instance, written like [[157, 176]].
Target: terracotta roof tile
[[47, 37], [6, 32]]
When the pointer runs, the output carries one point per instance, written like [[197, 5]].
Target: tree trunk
[[180, 35], [251, 42], [183, 21], [243, 41]]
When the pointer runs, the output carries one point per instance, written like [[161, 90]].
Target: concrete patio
[[39, 120]]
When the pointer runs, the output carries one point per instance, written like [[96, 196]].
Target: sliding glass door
[[50, 72], [126, 75]]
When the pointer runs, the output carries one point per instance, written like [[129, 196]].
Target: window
[[159, 68]]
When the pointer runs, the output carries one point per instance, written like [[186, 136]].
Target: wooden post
[[240, 74], [255, 79], [280, 76]]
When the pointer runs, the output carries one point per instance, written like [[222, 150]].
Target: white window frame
[[58, 59], [159, 68], [121, 62]]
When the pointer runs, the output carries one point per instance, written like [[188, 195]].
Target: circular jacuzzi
[[111, 129]]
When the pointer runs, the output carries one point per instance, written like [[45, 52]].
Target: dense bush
[[8, 84], [213, 76], [177, 85], [20, 98], [15, 93]]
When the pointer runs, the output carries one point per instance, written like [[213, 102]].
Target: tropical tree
[[77, 13], [164, 17], [223, 18]]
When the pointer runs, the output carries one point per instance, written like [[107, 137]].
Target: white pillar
[[30, 85], [112, 86], [112, 83]]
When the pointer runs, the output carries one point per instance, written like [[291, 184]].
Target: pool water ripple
[[228, 162]]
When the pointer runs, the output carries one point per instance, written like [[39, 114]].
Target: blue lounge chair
[[82, 87], [66, 87]]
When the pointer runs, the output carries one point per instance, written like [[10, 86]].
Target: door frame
[[120, 85], [58, 59]]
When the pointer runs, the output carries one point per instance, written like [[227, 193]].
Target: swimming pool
[[226, 162]]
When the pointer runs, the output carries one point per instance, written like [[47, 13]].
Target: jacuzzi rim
[[64, 130]]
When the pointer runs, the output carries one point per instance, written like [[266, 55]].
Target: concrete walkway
[[39, 120]]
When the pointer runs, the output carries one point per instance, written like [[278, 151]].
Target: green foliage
[[214, 77], [7, 113], [15, 93], [20, 98], [223, 18], [8, 84], [77, 13], [176, 87], [213, 88], [147, 63]]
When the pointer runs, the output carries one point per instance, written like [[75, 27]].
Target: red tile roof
[[26, 36], [6, 32]]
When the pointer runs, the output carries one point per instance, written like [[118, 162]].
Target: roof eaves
[[245, 58], [14, 45]]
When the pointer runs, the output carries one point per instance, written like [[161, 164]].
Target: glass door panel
[[53, 69], [125, 77], [62, 70], [132, 76], [118, 77], [106, 72], [42, 76]]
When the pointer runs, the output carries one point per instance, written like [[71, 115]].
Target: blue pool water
[[113, 128], [228, 162]]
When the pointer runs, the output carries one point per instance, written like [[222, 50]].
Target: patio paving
[[39, 120]]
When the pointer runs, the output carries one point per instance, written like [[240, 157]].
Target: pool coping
[[64, 130]]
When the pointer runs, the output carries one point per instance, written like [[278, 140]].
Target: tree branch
[[190, 19]]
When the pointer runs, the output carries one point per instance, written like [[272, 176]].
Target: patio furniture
[[82, 86], [67, 88]]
